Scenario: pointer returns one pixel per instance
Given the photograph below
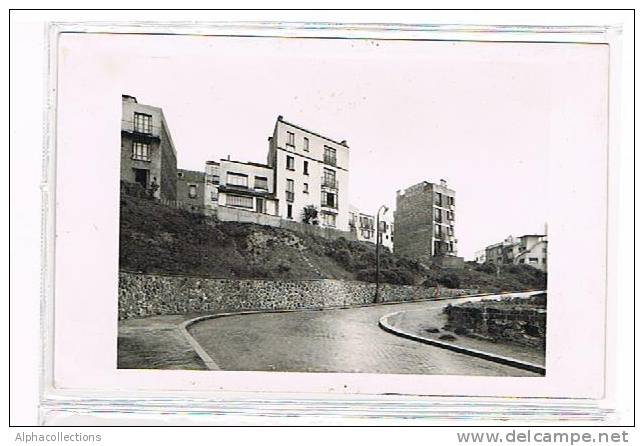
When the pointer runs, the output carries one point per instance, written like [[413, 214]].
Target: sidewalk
[[422, 323], [156, 342]]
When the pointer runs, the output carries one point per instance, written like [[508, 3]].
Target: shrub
[[450, 280], [310, 215]]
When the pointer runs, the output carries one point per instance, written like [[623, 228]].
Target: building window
[[141, 177], [328, 219], [438, 199], [142, 123], [290, 190], [450, 201], [290, 163], [533, 260], [329, 200], [521, 260], [140, 151], [213, 195], [260, 205], [328, 180], [237, 201], [290, 139], [306, 188], [261, 183], [330, 155], [306, 167], [192, 191], [306, 144], [450, 230], [289, 211], [438, 215], [236, 179], [438, 230], [366, 223]]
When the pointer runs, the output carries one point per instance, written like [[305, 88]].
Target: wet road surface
[[344, 340]]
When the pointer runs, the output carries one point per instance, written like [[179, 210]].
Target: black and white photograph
[[358, 206], [321, 218]]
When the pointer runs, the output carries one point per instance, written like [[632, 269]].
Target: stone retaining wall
[[519, 324], [142, 295]]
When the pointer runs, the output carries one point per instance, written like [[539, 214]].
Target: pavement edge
[[383, 322]]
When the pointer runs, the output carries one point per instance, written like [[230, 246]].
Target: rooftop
[[248, 163], [280, 118]]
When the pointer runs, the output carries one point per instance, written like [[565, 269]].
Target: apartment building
[[364, 227], [424, 222], [191, 187], [247, 186], [479, 256], [148, 155], [309, 169], [529, 249]]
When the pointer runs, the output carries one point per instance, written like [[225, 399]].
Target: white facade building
[[309, 170], [247, 186], [364, 227]]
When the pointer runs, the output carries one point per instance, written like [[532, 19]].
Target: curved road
[[343, 340]]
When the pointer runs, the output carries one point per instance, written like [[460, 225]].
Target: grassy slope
[[161, 239]]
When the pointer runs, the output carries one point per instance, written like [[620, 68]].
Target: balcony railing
[[331, 160], [329, 205], [331, 183]]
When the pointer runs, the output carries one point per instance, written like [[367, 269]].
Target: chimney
[[344, 142], [228, 158], [280, 117], [443, 183]]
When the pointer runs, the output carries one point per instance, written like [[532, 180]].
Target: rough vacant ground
[[155, 238]]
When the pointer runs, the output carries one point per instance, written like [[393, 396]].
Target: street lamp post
[[378, 243]]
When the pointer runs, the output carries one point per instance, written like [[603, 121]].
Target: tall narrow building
[[310, 170], [424, 221], [148, 155]]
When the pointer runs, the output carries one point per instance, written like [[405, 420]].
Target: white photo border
[[298, 393]]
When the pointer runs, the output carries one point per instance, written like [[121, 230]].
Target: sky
[[478, 115]]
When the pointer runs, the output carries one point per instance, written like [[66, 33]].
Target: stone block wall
[[142, 295], [518, 324]]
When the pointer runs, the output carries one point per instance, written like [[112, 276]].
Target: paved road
[[347, 340]]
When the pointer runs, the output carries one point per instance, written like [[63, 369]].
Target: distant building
[[309, 170], [364, 227], [148, 155], [191, 190], [424, 222], [479, 256], [529, 249], [247, 186]]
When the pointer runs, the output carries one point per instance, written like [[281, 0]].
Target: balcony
[[330, 160], [327, 205], [330, 183]]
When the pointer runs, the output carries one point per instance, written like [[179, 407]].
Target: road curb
[[205, 357], [385, 325], [212, 365]]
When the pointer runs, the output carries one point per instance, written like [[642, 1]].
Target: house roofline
[[341, 143]]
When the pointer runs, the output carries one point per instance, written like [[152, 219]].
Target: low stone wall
[[522, 323], [142, 295]]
